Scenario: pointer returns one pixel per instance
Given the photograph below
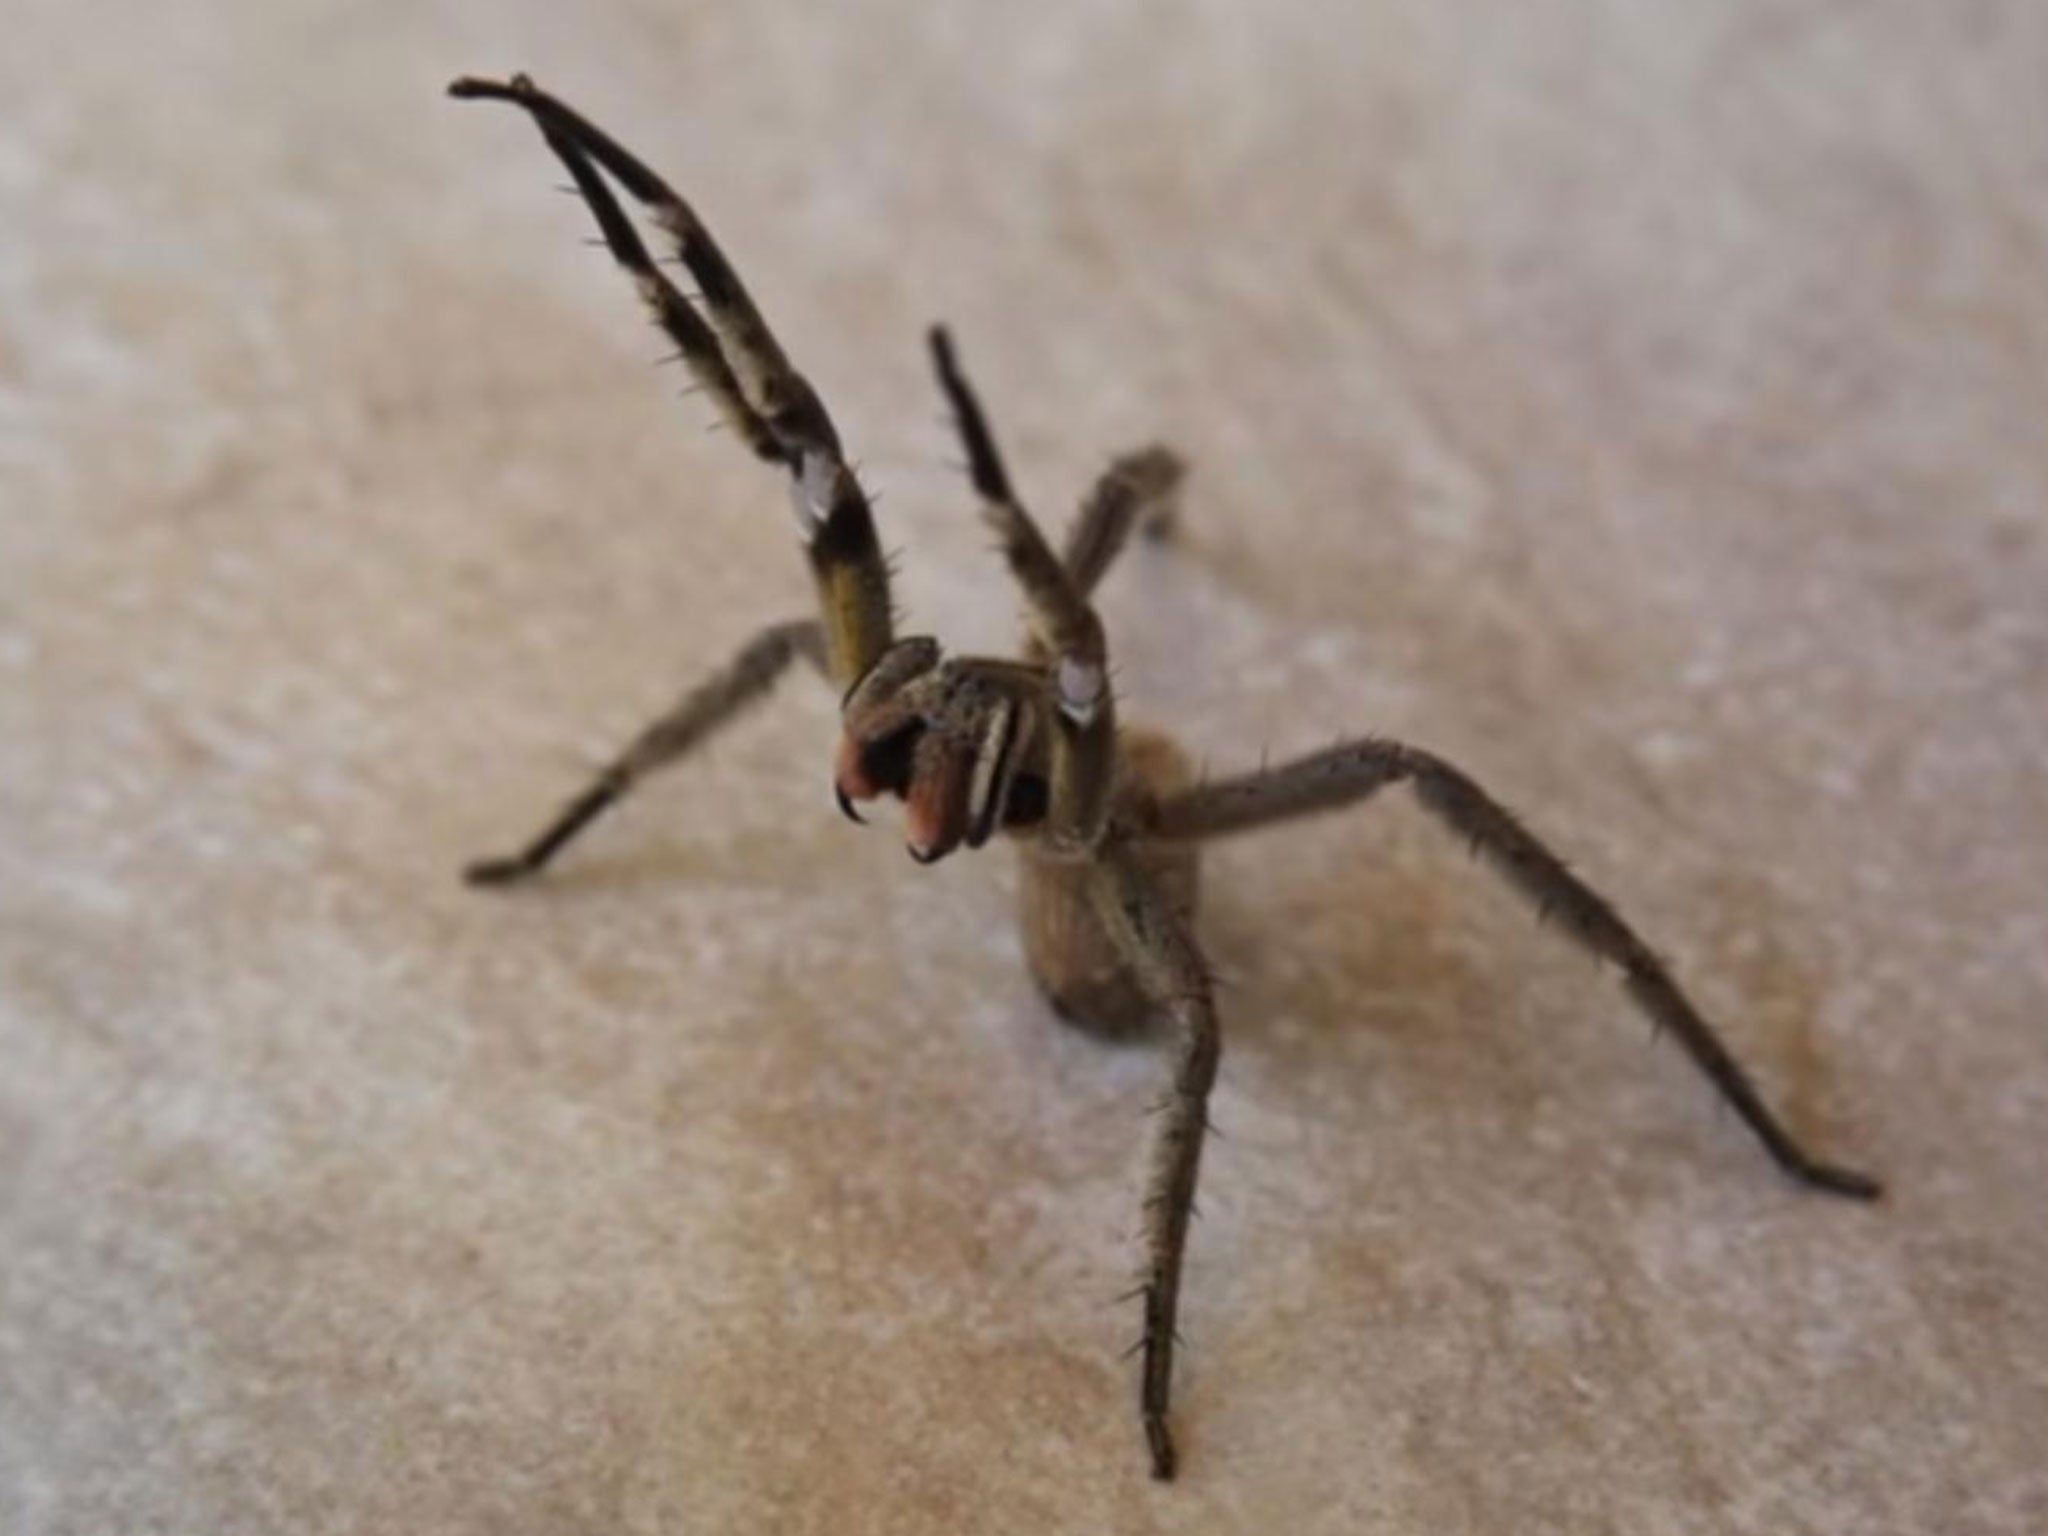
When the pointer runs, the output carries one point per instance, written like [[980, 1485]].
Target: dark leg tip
[[474, 87], [1846, 1182], [490, 872], [1160, 471], [1163, 1460]]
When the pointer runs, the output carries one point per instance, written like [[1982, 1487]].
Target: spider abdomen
[[1072, 955]]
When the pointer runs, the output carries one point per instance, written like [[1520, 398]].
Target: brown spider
[[1107, 821]]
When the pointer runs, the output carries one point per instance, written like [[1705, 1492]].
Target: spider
[[1107, 819]]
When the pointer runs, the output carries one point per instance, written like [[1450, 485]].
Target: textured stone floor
[[1640, 404]]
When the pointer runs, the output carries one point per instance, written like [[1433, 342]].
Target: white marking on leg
[[1080, 686]]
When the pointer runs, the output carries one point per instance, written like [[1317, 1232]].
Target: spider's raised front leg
[[700, 713], [736, 359], [1350, 771], [738, 364], [1168, 964], [1064, 629]]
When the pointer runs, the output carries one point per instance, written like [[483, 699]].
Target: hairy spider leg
[[1171, 968], [1351, 771], [737, 360], [710, 705]]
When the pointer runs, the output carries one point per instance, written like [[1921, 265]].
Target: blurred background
[[1640, 404]]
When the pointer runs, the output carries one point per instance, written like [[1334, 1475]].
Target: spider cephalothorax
[[1107, 820]]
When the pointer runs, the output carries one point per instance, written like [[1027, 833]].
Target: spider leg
[[707, 708], [1137, 491], [1083, 756], [774, 388], [1170, 966], [741, 367], [1349, 772]]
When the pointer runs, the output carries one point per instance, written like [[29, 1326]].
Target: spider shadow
[[1449, 996], [1354, 972]]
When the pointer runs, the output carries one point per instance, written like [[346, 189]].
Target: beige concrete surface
[[1641, 403]]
